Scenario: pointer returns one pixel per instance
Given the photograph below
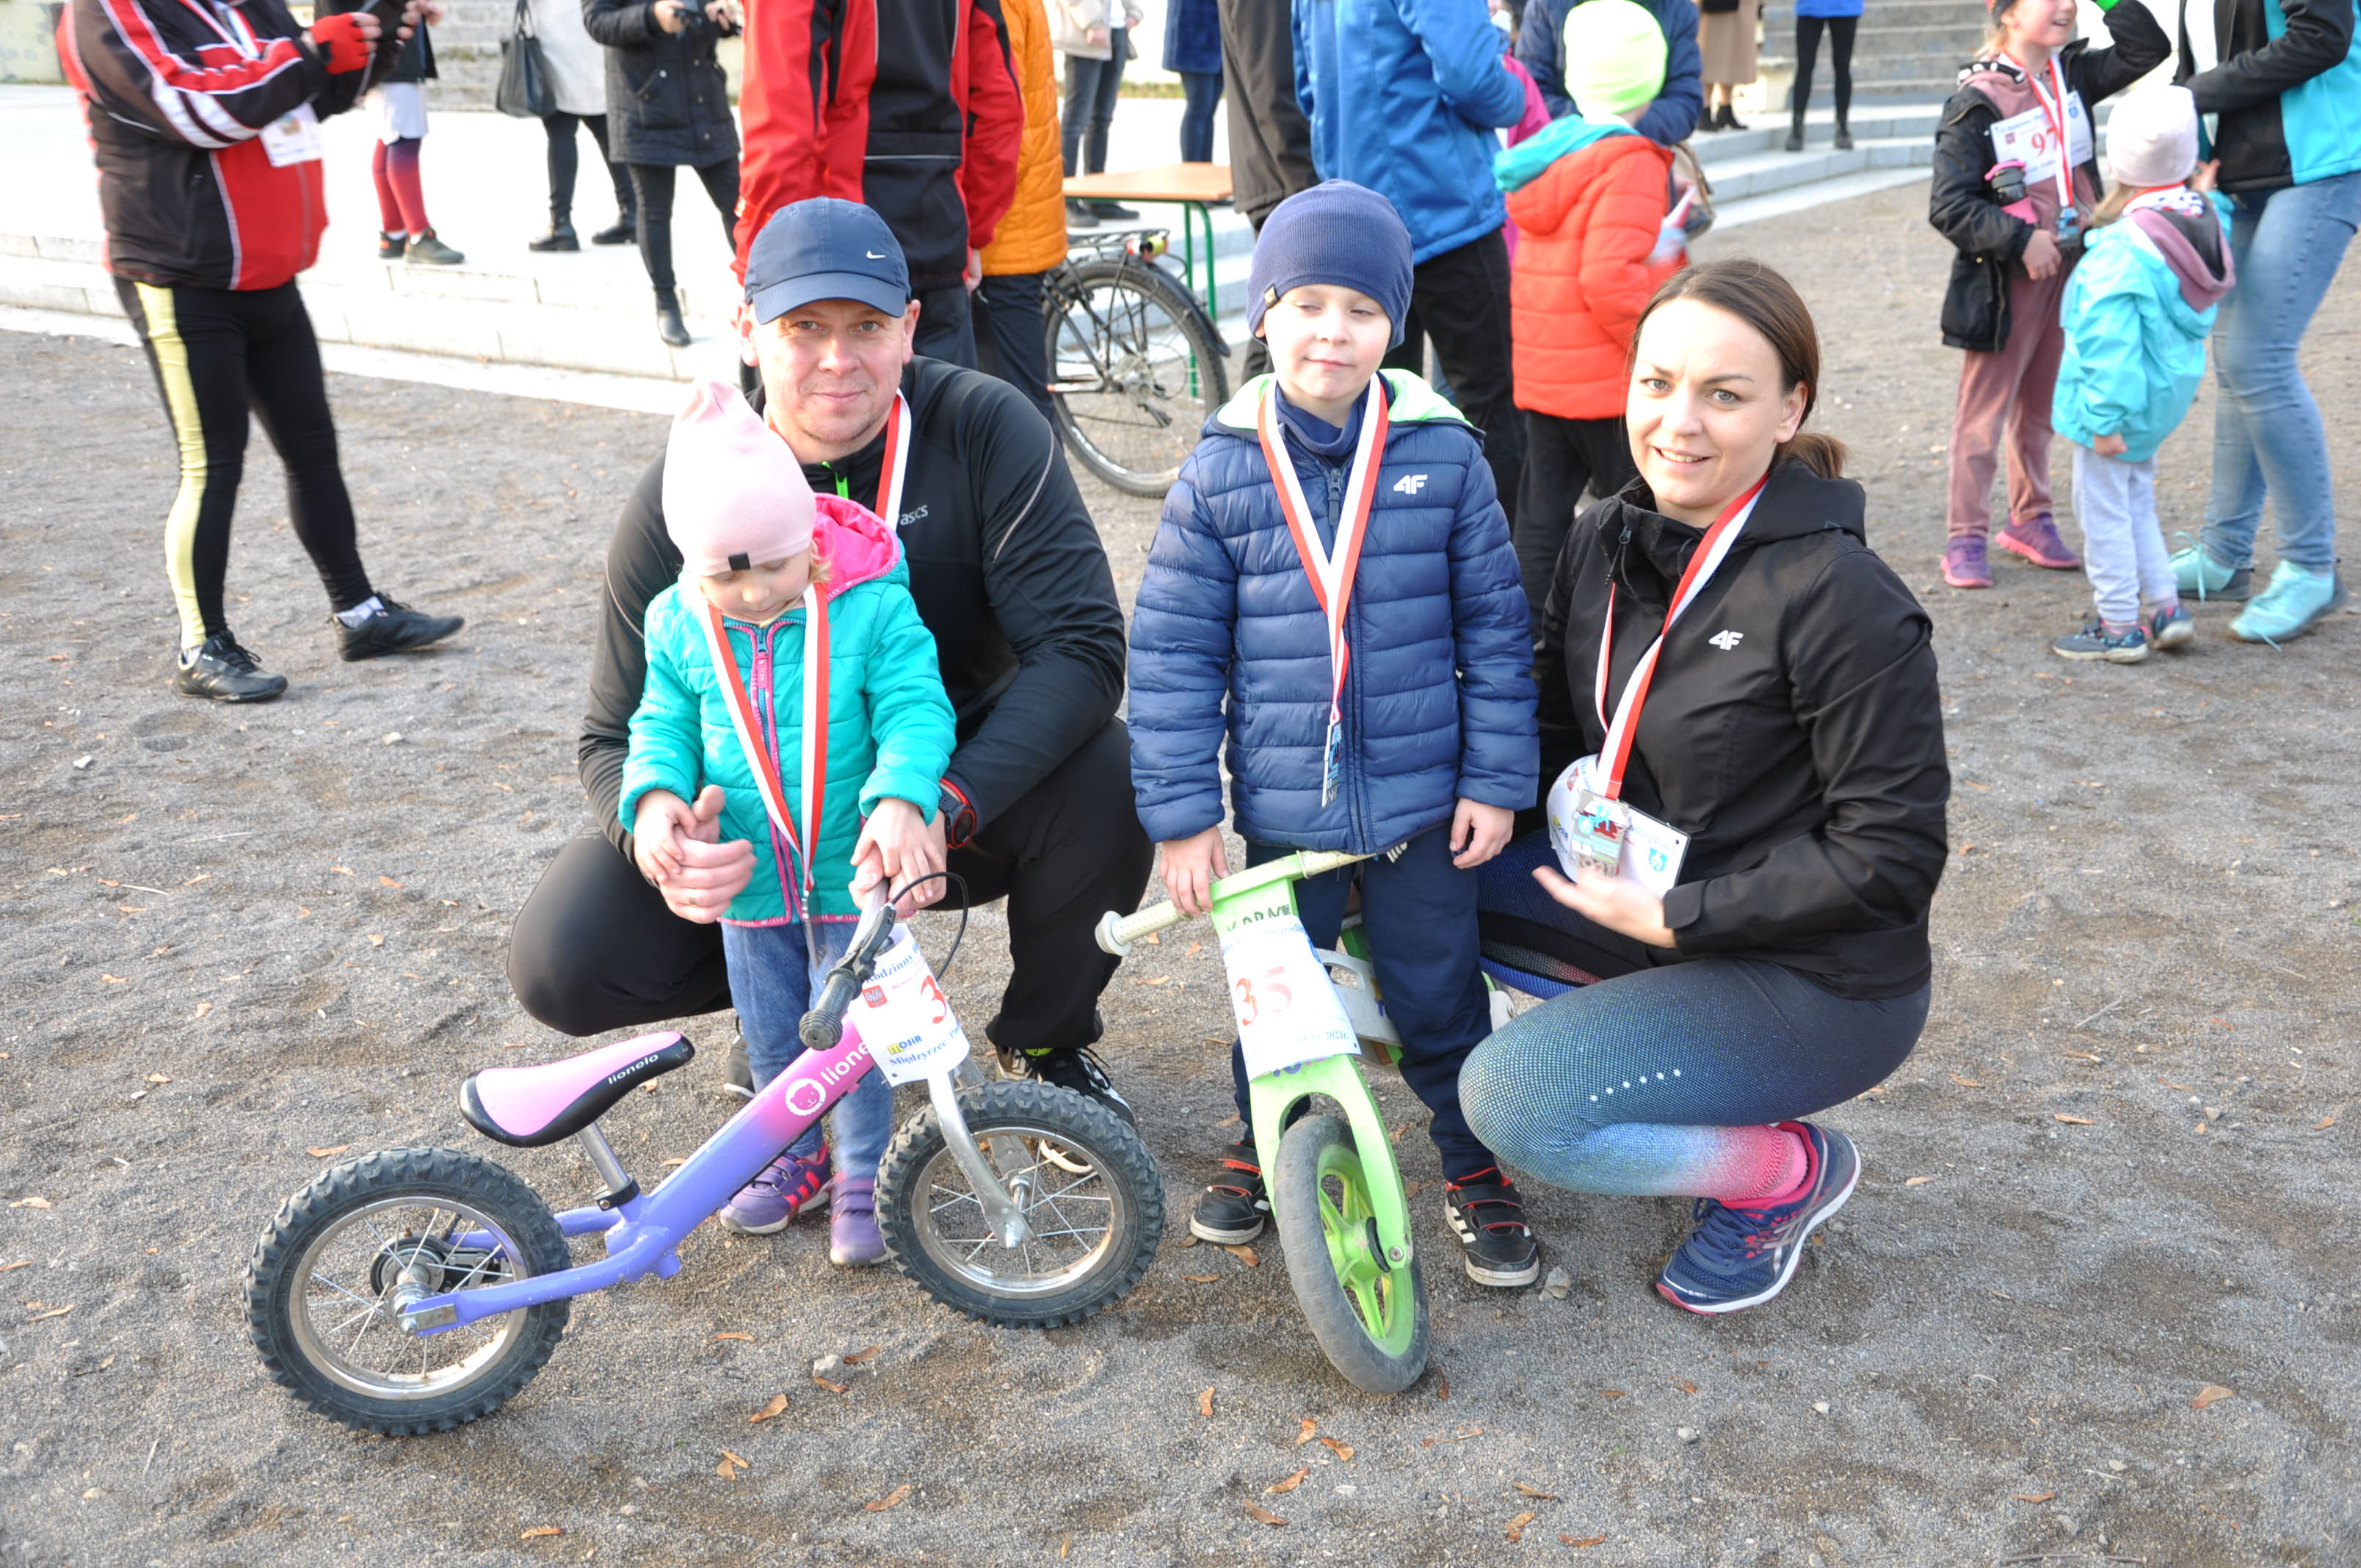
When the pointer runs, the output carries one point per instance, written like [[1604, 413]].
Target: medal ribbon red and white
[[738, 700], [2054, 111], [1615, 755], [893, 468], [1331, 571]]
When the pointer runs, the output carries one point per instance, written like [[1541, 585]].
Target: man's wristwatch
[[958, 814]]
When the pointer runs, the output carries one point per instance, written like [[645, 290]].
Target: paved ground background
[[2116, 1172]]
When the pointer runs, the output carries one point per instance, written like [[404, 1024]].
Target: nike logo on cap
[[876, 255]]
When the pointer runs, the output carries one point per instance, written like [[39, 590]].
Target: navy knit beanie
[[1336, 233]]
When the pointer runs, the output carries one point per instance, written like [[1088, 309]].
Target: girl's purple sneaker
[[2039, 542], [1965, 564], [852, 1238], [785, 1187]]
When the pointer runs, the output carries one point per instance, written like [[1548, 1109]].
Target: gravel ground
[[2112, 1179]]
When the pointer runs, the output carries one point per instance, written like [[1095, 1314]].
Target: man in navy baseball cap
[[825, 249]]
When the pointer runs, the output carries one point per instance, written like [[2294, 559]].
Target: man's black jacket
[[1005, 565], [1793, 728]]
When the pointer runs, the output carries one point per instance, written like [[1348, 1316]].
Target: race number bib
[[1286, 1009], [904, 1019], [292, 138], [2031, 139]]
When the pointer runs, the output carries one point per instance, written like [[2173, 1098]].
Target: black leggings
[[1563, 456], [564, 161], [654, 183], [594, 948], [218, 353], [1460, 300], [1808, 46]]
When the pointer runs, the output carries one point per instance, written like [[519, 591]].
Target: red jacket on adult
[[909, 105], [1587, 224]]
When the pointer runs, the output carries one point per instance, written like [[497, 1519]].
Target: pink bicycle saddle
[[529, 1106]]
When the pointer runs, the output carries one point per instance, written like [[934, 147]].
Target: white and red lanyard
[[894, 465], [1615, 755], [1332, 570], [739, 699], [2054, 112]]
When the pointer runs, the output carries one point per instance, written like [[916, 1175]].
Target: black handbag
[[524, 89]]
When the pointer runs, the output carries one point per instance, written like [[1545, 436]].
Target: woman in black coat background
[[668, 107]]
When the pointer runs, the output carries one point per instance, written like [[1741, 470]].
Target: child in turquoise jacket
[[2136, 315], [734, 657]]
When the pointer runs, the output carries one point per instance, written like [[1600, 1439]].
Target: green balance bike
[[1304, 1018]]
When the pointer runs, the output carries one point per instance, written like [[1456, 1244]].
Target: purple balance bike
[[418, 1288]]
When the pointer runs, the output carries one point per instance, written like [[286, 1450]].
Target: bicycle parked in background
[[1136, 363]]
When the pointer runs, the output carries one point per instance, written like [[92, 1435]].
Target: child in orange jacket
[[1591, 199]]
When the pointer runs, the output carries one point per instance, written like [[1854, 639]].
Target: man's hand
[[1479, 832], [2041, 255], [973, 276], [2110, 445], [672, 16], [1190, 867], [1610, 901], [345, 40], [898, 845], [678, 848]]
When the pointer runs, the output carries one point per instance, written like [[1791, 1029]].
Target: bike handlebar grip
[[823, 1026], [1117, 933]]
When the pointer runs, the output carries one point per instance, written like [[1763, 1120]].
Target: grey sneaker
[[2095, 642], [426, 250], [737, 1077], [2168, 626], [223, 671]]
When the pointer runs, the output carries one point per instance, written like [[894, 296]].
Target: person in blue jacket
[[1192, 52], [1358, 636], [2154, 271], [1673, 117], [2282, 79], [1403, 97]]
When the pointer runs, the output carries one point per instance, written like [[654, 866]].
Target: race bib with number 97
[[904, 1019], [1286, 1009]]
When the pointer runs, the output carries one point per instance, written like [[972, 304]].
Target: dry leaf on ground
[[748, 1338], [330, 1149], [777, 1404], [2035, 1496], [1443, 1386], [2072, 1121], [740, 1460], [1917, 1181], [1684, 1385], [31, 1204], [1244, 1254], [1516, 1526], [1289, 1484], [855, 1357], [1343, 1450], [20, 1263], [157, 1077], [1261, 1514], [1303, 1430], [2324, 1123], [61, 1312], [1205, 1403], [1202, 1278], [892, 1499], [1969, 1083], [831, 1387], [1579, 1545], [1531, 1491], [1610, 1393], [541, 1531], [2211, 1394], [1065, 1544]]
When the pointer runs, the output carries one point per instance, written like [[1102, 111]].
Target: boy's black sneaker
[[394, 629], [1232, 1210], [1489, 1219], [220, 671], [1078, 1069]]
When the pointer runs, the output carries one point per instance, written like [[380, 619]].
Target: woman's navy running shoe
[[1737, 1258]]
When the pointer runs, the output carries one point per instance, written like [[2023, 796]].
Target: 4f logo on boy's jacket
[[1726, 640], [1409, 484]]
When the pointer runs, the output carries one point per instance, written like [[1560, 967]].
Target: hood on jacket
[[1409, 400], [1521, 165], [1795, 503], [855, 542], [2188, 235]]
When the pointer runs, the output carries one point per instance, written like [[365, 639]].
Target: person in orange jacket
[[1031, 239], [1592, 200], [907, 106]]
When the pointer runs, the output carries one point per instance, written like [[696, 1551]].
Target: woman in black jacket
[[668, 105], [1776, 823]]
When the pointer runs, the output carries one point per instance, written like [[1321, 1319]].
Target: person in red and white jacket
[[925, 131], [204, 119]]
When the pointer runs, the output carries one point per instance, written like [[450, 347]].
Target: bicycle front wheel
[[1368, 1314], [1134, 371]]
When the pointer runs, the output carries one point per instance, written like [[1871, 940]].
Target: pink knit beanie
[[734, 495]]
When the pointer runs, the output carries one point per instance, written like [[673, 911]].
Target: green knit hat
[[1614, 58]]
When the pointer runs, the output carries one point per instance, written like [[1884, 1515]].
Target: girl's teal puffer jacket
[[890, 729], [2134, 347]]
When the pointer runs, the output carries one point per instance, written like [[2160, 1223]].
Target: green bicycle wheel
[[1368, 1313]]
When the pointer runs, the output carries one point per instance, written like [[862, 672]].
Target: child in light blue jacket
[[2136, 315]]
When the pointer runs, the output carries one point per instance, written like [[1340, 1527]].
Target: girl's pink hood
[[858, 545]]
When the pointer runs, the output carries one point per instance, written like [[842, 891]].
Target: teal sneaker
[[2202, 577], [2292, 606]]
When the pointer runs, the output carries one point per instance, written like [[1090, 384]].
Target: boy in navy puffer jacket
[[1405, 719]]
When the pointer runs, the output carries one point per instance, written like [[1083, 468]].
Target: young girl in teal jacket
[[2136, 315], [736, 667]]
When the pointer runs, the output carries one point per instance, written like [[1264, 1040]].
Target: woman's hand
[[672, 16], [1479, 832], [2041, 254], [1190, 867], [724, 14], [1611, 902], [1097, 38], [2207, 176]]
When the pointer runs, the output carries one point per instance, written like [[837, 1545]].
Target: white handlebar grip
[[1110, 935]]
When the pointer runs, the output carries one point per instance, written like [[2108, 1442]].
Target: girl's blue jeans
[[2268, 438], [772, 980]]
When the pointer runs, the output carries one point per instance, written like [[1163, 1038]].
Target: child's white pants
[[2122, 543]]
